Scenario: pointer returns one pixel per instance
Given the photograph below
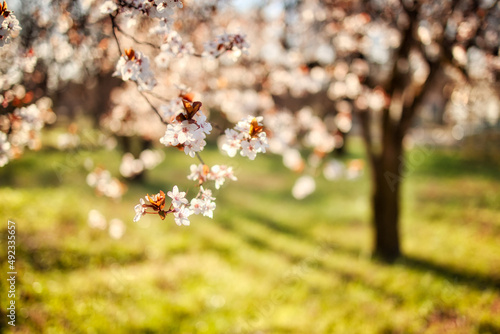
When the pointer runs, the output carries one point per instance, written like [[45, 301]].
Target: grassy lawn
[[266, 263]]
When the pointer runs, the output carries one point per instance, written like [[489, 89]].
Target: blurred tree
[[379, 60]]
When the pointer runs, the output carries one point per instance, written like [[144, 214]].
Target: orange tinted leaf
[[255, 128], [130, 53], [188, 96], [191, 108]]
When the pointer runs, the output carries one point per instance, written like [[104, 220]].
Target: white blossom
[[178, 197], [140, 210], [9, 25], [189, 134], [182, 214], [234, 43], [108, 7], [133, 65], [247, 136], [219, 173], [4, 149]]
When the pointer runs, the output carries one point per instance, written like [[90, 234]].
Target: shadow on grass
[[453, 164], [455, 275], [476, 280], [43, 256]]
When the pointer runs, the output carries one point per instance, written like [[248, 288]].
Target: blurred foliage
[[266, 263]]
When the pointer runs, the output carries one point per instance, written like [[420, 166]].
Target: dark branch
[[199, 158], [152, 107], [113, 23]]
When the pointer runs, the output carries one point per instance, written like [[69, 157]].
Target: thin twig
[[113, 24], [159, 97], [133, 38], [152, 106], [199, 158]]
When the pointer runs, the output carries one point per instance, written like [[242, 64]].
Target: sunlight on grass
[[266, 263]]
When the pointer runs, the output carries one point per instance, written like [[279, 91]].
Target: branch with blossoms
[[9, 25], [186, 126]]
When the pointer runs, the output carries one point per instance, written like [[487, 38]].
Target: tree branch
[[152, 106], [114, 26]]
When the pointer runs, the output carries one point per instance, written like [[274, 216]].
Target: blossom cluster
[[179, 206], [21, 129], [235, 43], [133, 65], [218, 173], [188, 129], [173, 47], [105, 184], [172, 108], [9, 25], [108, 7], [159, 9], [96, 220], [248, 136], [4, 149], [148, 159]]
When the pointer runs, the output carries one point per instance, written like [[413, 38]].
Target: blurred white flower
[[333, 170], [140, 210], [4, 149], [9, 25], [236, 44], [96, 220], [116, 228], [108, 7], [303, 187]]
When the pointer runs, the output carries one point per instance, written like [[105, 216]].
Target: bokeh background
[[376, 208]]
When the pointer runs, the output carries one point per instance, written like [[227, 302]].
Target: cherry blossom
[[204, 204], [218, 173], [182, 214], [108, 7], [178, 197], [140, 210], [188, 130], [105, 184], [174, 46], [4, 149], [232, 142], [9, 25], [236, 44], [133, 65], [247, 136]]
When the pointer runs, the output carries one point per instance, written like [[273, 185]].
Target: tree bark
[[385, 202]]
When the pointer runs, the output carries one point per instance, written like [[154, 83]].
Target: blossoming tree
[[372, 62], [185, 124], [378, 62]]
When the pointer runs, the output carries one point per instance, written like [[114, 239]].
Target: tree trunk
[[385, 199]]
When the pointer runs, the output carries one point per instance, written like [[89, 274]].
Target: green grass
[[266, 263]]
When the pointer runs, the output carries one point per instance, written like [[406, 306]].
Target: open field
[[266, 263]]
